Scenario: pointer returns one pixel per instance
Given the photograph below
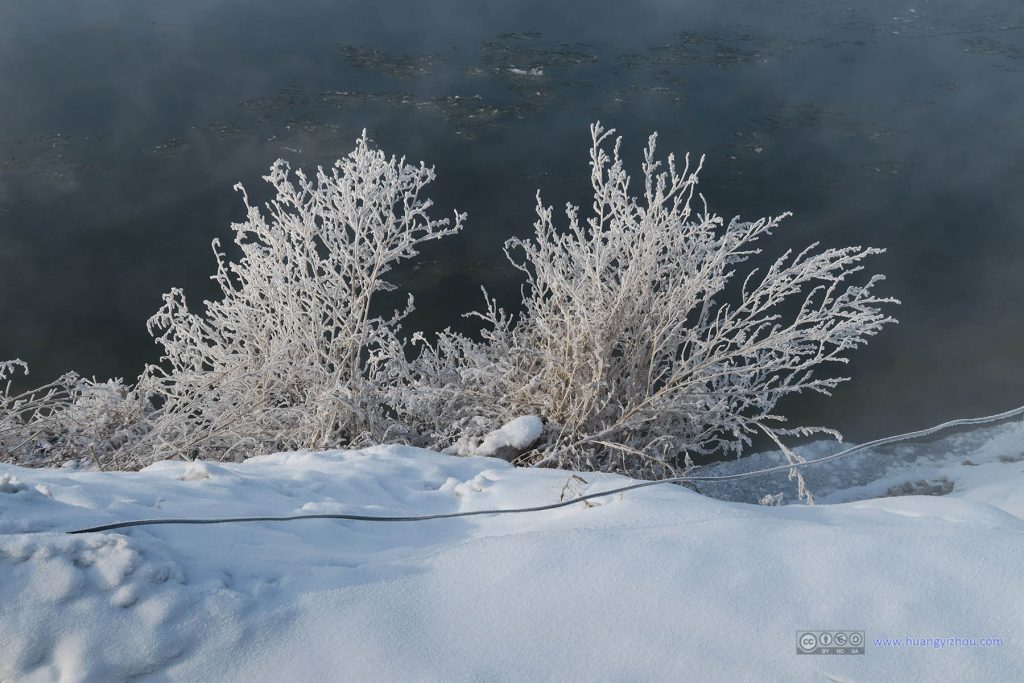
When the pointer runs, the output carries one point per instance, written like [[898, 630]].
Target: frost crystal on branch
[[645, 335], [636, 342], [72, 419], [293, 356]]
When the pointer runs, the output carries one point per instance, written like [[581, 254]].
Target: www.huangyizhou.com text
[[938, 643]]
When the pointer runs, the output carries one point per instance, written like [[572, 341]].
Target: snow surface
[[657, 584]]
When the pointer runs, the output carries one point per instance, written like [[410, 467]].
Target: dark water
[[124, 124]]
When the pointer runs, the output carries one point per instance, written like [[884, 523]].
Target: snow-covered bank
[[656, 584]]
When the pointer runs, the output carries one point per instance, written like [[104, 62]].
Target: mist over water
[[125, 124]]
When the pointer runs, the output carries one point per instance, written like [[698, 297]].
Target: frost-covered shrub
[[73, 419], [293, 356], [639, 342]]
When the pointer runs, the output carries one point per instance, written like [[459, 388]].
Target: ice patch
[[534, 71]]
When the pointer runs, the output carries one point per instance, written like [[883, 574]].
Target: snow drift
[[657, 584]]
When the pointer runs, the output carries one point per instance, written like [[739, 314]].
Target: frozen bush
[[637, 342], [293, 355], [71, 420]]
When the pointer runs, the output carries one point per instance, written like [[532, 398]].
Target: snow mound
[[520, 433], [507, 442], [10, 484]]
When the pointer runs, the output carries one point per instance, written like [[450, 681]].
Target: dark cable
[[373, 518], [565, 503]]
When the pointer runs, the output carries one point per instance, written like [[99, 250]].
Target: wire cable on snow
[[565, 503]]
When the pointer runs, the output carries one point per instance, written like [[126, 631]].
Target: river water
[[125, 123]]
